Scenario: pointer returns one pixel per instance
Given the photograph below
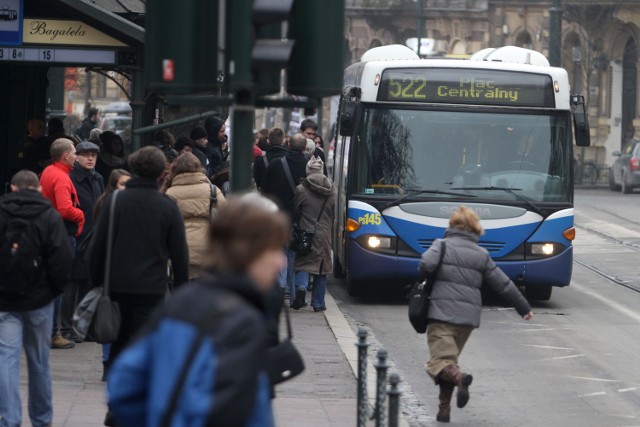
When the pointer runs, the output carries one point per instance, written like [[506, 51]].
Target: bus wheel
[[538, 293], [354, 287], [338, 270]]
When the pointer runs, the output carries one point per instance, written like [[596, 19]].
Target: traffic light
[[317, 63], [181, 45], [255, 34]]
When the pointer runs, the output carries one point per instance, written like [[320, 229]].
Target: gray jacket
[[456, 295]]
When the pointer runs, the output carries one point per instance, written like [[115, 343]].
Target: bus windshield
[[397, 151]]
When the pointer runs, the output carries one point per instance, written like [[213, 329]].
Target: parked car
[[624, 173], [115, 123]]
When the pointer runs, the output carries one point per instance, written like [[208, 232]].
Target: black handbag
[[420, 297], [284, 360], [98, 317]]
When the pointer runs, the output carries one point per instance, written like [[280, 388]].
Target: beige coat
[[192, 193], [307, 202]]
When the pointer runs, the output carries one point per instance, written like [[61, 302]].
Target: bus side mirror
[[580, 121], [348, 114]]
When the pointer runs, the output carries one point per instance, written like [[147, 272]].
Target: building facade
[[599, 47]]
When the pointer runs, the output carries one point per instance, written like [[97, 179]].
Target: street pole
[[420, 19], [243, 109], [555, 33]]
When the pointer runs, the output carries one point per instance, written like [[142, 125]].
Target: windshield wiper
[[417, 192], [511, 191]]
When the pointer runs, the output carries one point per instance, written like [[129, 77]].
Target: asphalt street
[[574, 364]]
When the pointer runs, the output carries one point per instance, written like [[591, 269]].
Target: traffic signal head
[[181, 45], [317, 63]]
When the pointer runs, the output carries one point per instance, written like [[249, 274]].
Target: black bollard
[[394, 399], [363, 404], [381, 386]]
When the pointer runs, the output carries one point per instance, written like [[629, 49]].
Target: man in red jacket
[[58, 188]]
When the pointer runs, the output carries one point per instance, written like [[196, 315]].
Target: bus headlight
[[375, 242], [542, 249]]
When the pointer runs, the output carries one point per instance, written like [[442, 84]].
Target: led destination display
[[467, 86]]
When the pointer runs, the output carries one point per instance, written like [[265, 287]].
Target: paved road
[[575, 364]]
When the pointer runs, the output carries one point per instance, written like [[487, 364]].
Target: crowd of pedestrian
[[176, 242]]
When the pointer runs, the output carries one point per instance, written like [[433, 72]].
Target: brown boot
[[463, 380], [444, 408]]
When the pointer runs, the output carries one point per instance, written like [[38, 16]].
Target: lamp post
[[555, 33]]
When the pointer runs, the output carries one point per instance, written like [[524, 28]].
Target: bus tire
[[538, 293], [355, 288]]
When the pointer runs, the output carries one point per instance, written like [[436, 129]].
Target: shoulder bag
[[97, 317], [284, 360], [420, 297]]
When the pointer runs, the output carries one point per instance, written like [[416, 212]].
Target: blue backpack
[[192, 368]]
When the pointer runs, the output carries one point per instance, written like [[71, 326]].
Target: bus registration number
[[370, 219]]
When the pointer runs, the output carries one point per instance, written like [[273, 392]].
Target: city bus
[[417, 138]]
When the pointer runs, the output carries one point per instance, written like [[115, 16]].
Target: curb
[[347, 340]]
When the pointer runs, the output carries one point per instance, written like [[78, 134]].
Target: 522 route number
[[408, 89]]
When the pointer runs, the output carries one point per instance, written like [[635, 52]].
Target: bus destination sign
[[467, 86]]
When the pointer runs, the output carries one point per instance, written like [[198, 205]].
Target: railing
[[392, 396], [588, 172]]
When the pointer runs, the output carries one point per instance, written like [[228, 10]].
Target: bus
[[418, 137]]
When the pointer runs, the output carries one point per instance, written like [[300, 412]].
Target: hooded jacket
[[192, 194], [226, 385], [455, 297], [308, 201], [54, 248]]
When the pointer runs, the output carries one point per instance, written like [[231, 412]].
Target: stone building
[[599, 47]]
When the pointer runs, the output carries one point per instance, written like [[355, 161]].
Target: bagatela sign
[[64, 32]]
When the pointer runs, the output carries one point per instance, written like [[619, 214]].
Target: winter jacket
[[107, 162], [54, 248], [58, 188], [89, 186], [259, 166], [149, 232], [455, 297], [275, 183], [192, 194], [85, 128], [225, 385], [309, 198]]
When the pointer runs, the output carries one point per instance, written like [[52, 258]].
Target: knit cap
[[315, 165]]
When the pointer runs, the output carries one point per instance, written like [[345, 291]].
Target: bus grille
[[489, 246]]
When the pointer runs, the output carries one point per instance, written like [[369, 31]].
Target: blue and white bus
[[417, 138]]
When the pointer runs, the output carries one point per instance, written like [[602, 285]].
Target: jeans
[[28, 329], [61, 304], [319, 287], [286, 276]]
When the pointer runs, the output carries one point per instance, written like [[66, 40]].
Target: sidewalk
[[323, 395]]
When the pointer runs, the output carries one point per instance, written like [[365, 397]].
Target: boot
[[444, 408], [463, 380]]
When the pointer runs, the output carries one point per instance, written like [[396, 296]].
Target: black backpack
[[20, 260]]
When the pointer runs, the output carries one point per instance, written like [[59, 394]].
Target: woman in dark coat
[[314, 197], [456, 302]]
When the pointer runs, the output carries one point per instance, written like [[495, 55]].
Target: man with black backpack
[[35, 259]]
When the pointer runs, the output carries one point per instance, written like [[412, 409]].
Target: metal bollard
[[381, 385], [394, 399], [363, 404]]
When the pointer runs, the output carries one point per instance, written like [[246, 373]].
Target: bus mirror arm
[[348, 115], [580, 121]]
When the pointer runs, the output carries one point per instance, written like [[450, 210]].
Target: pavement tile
[[323, 395]]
